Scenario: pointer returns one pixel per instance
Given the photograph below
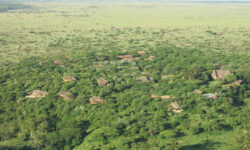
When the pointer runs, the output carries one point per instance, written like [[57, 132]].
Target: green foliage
[[129, 118]]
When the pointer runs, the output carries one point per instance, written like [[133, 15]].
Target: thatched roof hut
[[237, 82], [98, 66], [136, 58], [167, 77], [37, 94], [197, 91], [95, 100], [125, 57], [146, 73], [154, 96], [57, 62], [66, 95], [175, 107], [102, 82], [233, 84], [220, 74], [41, 63], [134, 68], [141, 53], [142, 79], [150, 58], [166, 97], [69, 78]]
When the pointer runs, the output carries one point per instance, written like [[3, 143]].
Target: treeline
[[4, 7]]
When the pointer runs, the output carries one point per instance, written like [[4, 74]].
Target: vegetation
[[11, 6], [129, 117]]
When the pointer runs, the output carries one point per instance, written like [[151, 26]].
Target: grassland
[[219, 27]]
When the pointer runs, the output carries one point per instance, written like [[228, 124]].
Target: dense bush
[[129, 117]]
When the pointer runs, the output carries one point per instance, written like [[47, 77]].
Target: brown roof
[[220, 74], [167, 77], [146, 73], [140, 52], [197, 91], [37, 94], [125, 56], [233, 84], [154, 96], [68, 78], [66, 95], [134, 68], [95, 100], [150, 58], [102, 82], [98, 66], [237, 82], [57, 62], [176, 107], [136, 58], [40, 63], [142, 79], [166, 97]]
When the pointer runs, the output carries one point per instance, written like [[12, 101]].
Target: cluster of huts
[[131, 58], [145, 78], [68, 95], [64, 94], [219, 75], [216, 75]]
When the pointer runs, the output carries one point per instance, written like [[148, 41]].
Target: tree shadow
[[209, 145], [180, 134], [16, 148]]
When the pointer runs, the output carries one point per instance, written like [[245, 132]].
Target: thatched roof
[[237, 82], [98, 66], [166, 97], [57, 62], [134, 68], [37, 94], [125, 56], [220, 74], [95, 100], [176, 107], [218, 33], [66, 95], [142, 79], [167, 77], [146, 73], [154, 96], [102, 82], [197, 91], [141, 53], [136, 58], [150, 58], [68, 78], [233, 84], [41, 63]]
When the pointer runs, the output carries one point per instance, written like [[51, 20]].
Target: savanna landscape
[[140, 75]]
